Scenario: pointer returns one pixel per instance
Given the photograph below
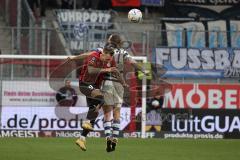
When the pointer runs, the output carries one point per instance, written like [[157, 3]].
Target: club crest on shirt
[[108, 64]]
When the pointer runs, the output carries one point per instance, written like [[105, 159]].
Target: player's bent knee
[[116, 113], [97, 100], [117, 107], [96, 93], [107, 109]]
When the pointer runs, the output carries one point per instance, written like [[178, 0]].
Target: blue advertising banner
[[190, 34], [199, 63], [153, 2], [217, 35], [235, 33], [193, 34]]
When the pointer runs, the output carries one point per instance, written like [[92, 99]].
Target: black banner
[[207, 2], [182, 123], [213, 9]]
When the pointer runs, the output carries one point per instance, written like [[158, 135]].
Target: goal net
[[29, 87]]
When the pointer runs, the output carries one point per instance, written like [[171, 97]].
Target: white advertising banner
[[27, 93], [31, 93], [53, 118]]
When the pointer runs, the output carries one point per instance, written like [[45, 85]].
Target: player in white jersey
[[113, 93]]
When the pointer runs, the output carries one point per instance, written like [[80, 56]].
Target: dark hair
[[115, 39], [109, 48]]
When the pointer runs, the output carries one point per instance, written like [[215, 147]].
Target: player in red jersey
[[95, 65]]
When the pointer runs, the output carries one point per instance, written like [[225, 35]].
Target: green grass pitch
[[128, 149]]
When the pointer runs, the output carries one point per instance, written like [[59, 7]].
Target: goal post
[[141, 59]]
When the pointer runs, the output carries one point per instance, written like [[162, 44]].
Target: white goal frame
[[144, 97], [58, 57]]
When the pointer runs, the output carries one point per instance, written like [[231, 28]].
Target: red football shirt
[[94, 60]]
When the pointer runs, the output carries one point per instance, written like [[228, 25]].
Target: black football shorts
[[86, 88]]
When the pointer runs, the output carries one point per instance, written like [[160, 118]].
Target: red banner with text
[[125, 3], [203, 96]]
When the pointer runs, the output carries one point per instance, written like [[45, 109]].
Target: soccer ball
[[135, 15]]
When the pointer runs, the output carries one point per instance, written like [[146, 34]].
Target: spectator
[[155, 103], [43, 4], [66, 96], [55, 4], [33, 4], [94, 4], [67, 4], [88, 4], [105, 4], [38, 7], [154, 120]]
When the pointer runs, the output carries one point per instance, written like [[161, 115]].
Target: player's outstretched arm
[[138, 67], [134, 63], [96, 70], [81, 56]]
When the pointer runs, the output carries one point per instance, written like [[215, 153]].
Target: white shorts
[[113, 93]]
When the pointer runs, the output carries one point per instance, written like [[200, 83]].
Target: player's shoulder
[[125, 54], [120, 51], [100, 50], [95, 54], [93, 57]]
